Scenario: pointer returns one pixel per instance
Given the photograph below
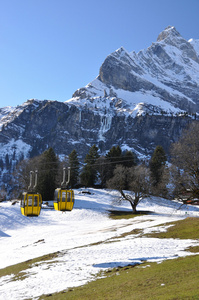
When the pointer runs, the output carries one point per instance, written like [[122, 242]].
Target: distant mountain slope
[[138, 101]]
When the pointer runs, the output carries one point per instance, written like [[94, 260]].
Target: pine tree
[[114, 154], [74, 171], [113, 157], [157, 165], [89, 173], [7, 162], [1, 164], [129, 159], [47, 172]]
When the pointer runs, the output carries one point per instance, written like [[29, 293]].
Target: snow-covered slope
[[85, 241]]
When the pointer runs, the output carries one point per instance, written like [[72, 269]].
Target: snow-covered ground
[[88, 241]]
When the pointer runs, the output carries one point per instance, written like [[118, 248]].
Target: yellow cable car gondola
[[64, 197], [31, 201]]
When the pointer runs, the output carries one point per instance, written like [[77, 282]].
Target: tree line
[[133, 178]]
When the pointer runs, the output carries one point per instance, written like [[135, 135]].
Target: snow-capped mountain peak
[[165, 75], [170, 33]]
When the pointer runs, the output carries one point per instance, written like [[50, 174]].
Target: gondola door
[[70, 200], [63, 200]]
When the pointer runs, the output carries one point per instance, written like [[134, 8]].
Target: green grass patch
[[172, 279], [184, 229], [118, 214], [18, 270], [193, 249]]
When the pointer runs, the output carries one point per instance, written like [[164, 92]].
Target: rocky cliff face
[[138, 101], [44, 124]]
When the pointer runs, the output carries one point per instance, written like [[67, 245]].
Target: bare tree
[[139, 179], [136, 179], [21, 175], [185, 158]]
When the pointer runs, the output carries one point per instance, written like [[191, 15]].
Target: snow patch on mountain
[[15, 149], [4, 113], [105, 126], [195, 44], [124, 102]]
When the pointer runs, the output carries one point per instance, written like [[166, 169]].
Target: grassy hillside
[[171, 279]]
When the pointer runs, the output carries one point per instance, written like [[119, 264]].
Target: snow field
[[88, 241]]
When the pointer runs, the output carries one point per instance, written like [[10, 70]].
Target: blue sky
[[50, 48]]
